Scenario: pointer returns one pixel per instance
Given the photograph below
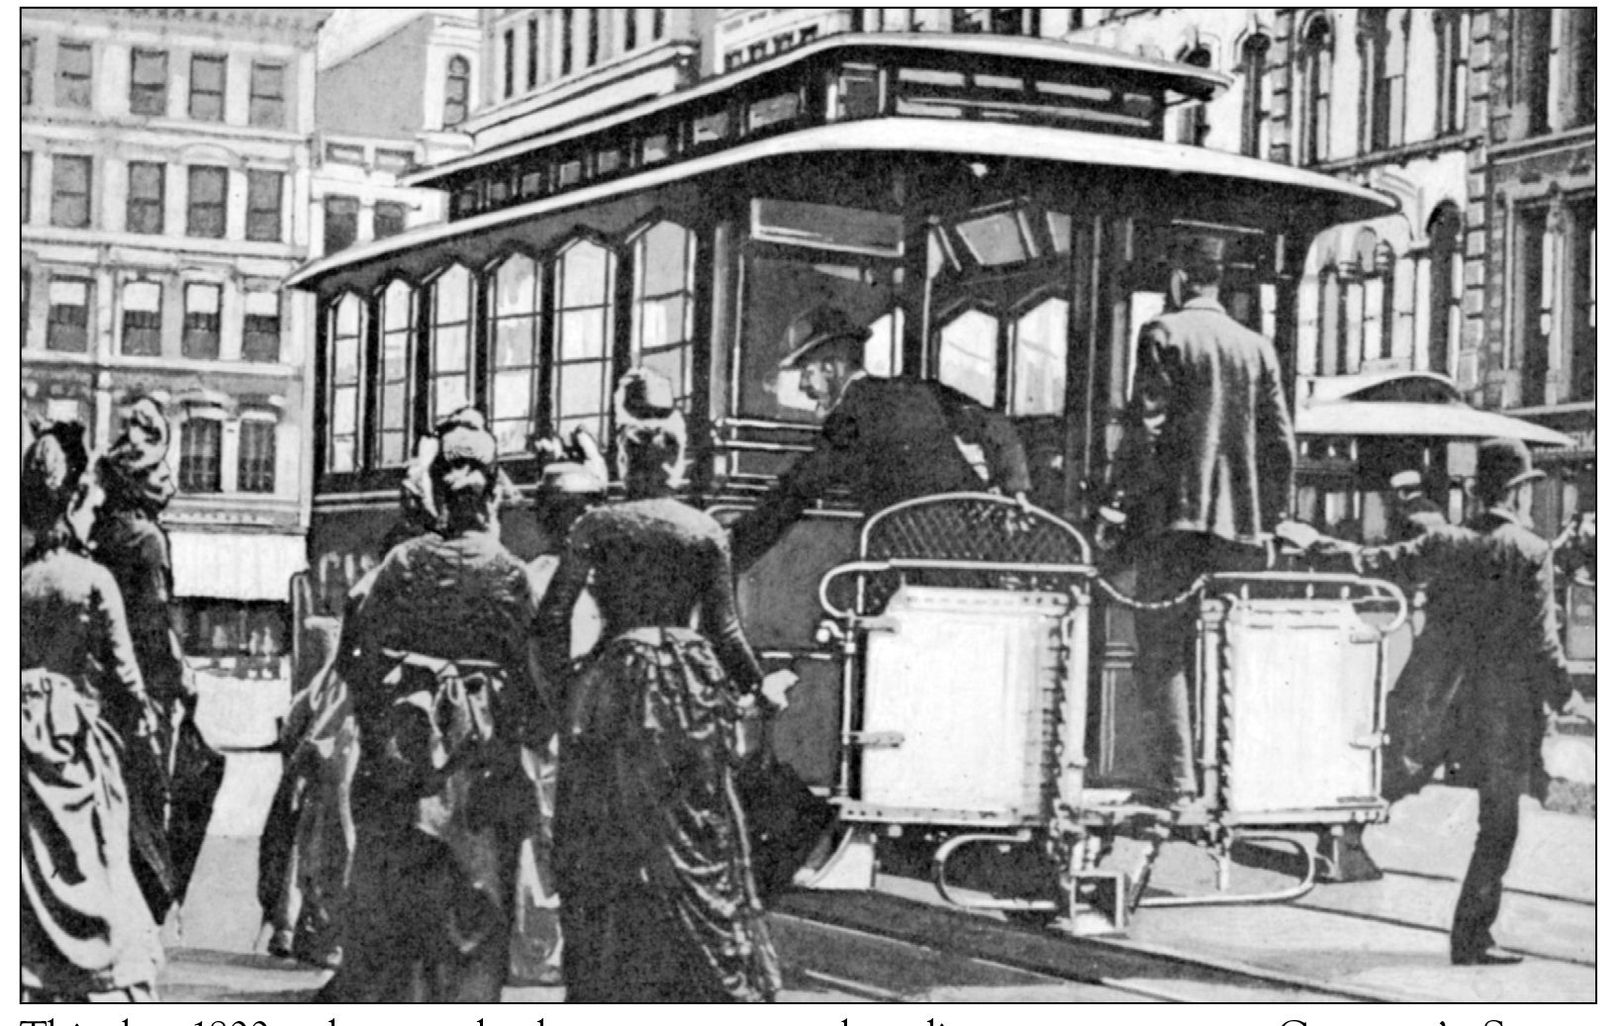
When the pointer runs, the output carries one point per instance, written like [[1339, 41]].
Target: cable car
[[1000, 211]]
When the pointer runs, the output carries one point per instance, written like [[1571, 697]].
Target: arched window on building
[[1446, 278], [397, 316], [1453, 25], [515, 331], [1383, 59], [456, 92], [1192, 125], [662, 305], [583, 333], [450, 349], [1254, 116], [344, 383], [1329, 320], [1318, 45]]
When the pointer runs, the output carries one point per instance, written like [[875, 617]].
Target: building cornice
[[1460, 143], [1555, 142]]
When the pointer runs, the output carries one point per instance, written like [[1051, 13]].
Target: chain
[[1145, 606]]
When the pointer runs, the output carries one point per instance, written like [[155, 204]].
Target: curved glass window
[[662, 305], [344, 392], [583, 331], [516, 358], [449, 350], [969, 355], [1038, 385], [394, 375]]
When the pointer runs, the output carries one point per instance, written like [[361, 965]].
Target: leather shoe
[[1488, 956]]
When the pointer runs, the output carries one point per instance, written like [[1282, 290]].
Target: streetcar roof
[[899, 136], [1184, 79]]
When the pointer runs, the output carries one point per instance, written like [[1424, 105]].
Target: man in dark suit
[[1206, 472], [887, 439], [1493, 589]]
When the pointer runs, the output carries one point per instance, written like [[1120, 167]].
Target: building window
[[1447, 281], [532, 50], [449, 344], [149, 82], [566, 34], [344, 391], [256, 456], [1585, 288], [662, 305], [594, 37], [70, 191], [631, 28], [143, 211], [1317, 49], [207, 102], [516, 312], [1585, 61], [67, 327], [26, 173], [26, 59], [200, 336], [1382, 40], [73, 65], [1254, 117], [397, 311], [1192, 126], [143, 319], [262, 327], [200, 455], [27, 285], [658, 32], [456, 92], [1453, 68], [205, 202], [1530, 60], [340, 222], [265, 206], [1329, 320], [266, 95], [583, 327], [509, 60], [388, 219]]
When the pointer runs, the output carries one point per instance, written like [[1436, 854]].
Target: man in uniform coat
[[1492, 590], [887, 439], [1205, 473]]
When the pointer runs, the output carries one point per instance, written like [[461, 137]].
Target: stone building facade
[[165, 190]]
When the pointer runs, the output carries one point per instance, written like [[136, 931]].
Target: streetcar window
[[394, 375], [1038, 385], [515, 331], [818, 225], [344, 394], [968, 361], [996, 239], [709, 128], [569, 172], [583, 331], [656, 148], [882, 356], [772, 110], [1059, 231], [858, 91], [662, 305], [610, 161], [449, 339], [780, 289], [532, 184]]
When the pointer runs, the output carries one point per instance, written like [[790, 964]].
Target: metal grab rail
[[1306, 883], [876, 566], [1374, 584], [938, 873]]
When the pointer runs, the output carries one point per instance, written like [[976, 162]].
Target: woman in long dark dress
[[444, 690], [652, 858], [86, 934]]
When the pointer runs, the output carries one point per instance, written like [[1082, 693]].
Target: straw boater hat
[[816, 328], [1405, 480]]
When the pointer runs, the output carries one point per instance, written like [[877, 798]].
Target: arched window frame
[[1330, 301], [1254, 51], [1317, 56], [598, 419], [1383, 36], [1453, 28], [445, 321], [1192, 121], [514, 385], [391, 444], [672, 356], [342, 447], [458, 91], [1446, 273]]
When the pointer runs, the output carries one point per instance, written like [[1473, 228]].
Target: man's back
[[1223, 457], [897, 434]]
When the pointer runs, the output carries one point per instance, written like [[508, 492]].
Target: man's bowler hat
[[817, 327], [1405, 480], [1502, 464]]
